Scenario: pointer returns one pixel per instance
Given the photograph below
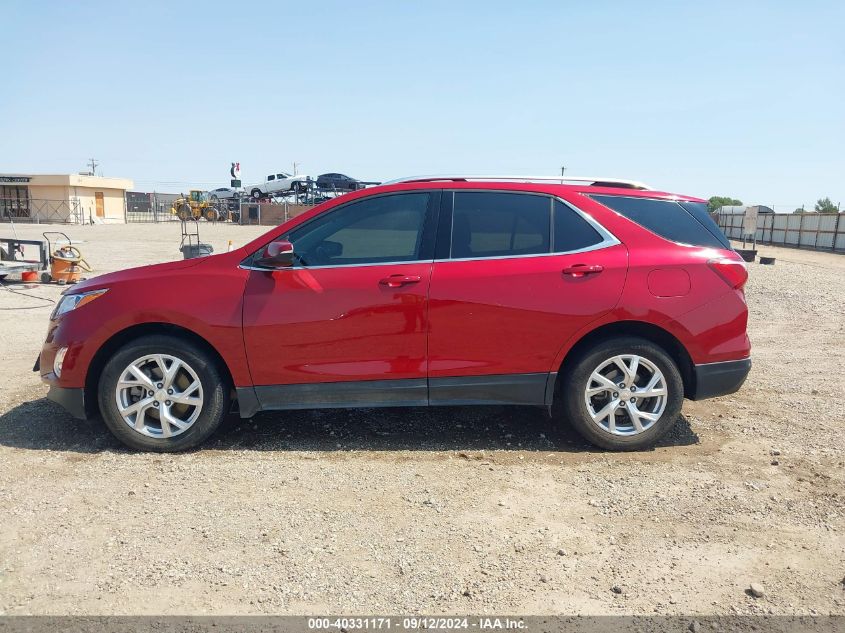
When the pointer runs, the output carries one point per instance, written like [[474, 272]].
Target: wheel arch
[[122, 337], [649, 331]]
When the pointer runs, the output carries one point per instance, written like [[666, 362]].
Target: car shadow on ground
[[43, 425]]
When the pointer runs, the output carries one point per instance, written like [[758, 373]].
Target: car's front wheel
[[624, 394], [162, 393], [185, 212]]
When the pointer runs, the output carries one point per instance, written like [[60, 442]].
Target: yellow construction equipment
[[194, 206]]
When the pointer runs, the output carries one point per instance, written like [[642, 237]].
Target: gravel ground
[[454, 510]]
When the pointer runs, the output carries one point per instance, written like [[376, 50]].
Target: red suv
[[608, 300]]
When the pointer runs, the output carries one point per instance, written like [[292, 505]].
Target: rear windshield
[[681, 222]]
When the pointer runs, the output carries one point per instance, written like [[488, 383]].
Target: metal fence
[[161, 207], [144, 206], [819, 231], [270, 213], [36, 211]]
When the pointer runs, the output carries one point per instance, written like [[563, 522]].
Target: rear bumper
[[719, 379], [71, 399]]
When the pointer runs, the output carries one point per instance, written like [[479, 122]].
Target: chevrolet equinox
[[603, 301]]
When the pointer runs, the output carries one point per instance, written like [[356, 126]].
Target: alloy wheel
[[626, 395], [159, 396]]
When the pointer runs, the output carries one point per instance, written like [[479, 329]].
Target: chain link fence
[[818, 231]]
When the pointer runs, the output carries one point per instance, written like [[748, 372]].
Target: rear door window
[[669, 219], [494, 224], [571, 231]]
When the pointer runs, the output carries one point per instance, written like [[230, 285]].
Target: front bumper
[[71, 399], [719, 379]]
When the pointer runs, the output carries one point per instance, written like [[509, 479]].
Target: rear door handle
[[396, 281], [579, 270]]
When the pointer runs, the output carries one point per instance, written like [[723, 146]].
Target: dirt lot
[[437, 511]]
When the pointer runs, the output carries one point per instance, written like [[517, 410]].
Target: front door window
[[373, 231]]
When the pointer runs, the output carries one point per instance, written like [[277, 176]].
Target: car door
[[270, 183], [346, 325], [283, 182], [515, 275]]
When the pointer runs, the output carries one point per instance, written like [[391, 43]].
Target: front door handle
[[579, 270], [399, 280]]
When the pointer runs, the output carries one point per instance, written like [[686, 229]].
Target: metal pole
[[800, 229], [836, 231]]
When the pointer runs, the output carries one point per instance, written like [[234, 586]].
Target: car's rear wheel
[[624, 394], [256, 193], [162, 393]]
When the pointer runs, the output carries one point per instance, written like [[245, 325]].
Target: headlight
[[72, 302]]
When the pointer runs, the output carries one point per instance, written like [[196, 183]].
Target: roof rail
[[598, 182]]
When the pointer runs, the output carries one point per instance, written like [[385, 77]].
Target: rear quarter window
[[680, 222]]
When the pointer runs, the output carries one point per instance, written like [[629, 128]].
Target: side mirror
[[276, 255]]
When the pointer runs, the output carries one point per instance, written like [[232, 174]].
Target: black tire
[[574, 381], [185, 212], [214, 385], [45, 278], [256, 193]]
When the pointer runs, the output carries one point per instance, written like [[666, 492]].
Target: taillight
[[732, 271]]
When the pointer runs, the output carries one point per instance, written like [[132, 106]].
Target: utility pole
[[93, 162], [562, 169], [295, 166]]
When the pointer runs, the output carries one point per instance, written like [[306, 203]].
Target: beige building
[[73, 198]]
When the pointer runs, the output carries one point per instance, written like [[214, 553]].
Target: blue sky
[[730, 98]]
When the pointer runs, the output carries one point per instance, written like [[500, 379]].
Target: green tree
[[824, 205], [722, 201], [799, 210]]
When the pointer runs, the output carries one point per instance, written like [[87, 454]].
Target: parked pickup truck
[[275, 184]]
